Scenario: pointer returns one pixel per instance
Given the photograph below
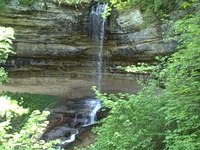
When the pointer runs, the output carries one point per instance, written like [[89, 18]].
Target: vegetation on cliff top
[[29, 3], [152, 9]]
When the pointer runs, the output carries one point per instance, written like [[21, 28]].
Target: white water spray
[[90, 117]]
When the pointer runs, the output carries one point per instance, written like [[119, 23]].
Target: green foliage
[[156, 118], [29, 3], [3, 75], [2, 3], [26, 2], [152, 9], [182, 94], [135, 122], [22, 121], [6, 36], [140, 68], [71, 2], [29, 136], [31, 102]]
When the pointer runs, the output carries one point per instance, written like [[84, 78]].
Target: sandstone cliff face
[[57, 38], [49, 31], [48, 36], [128, 41]]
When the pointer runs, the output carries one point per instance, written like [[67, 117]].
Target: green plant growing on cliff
[[160, 118], [71, 2], [152, 9], [29, 3], [140, 68], [26, 2], [183, 88], [6, 36], [2, 3]]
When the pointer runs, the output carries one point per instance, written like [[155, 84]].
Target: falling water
[[90, 117], [91, 106], [71, 138], [97, 24]]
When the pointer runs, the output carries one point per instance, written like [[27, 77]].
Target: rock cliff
[[52, 37], [129, 41]]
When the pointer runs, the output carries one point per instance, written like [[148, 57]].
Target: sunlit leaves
[[27, 137], [183, 76], [6, 37], [156, 118]]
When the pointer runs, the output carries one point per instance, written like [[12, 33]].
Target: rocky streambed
[[71, 122]]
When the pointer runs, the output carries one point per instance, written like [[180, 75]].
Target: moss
[[71, 2], [3, 3], [29, 3], [26, 2]]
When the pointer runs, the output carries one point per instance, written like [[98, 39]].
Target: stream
[[70, 118]]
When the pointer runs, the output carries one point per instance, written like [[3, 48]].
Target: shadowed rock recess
[[53, 41]]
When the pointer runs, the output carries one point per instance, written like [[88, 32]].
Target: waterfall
[[71, 138], [73, 117], [97, 29], [90, 117], [91, 106]]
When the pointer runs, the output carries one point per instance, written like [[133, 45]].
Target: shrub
[[31, 102], [6, 36], [29, 136], [155, 118]]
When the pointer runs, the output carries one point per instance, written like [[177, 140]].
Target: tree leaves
[[158, 118], [6, 37]]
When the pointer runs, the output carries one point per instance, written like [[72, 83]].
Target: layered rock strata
[[50, 36]]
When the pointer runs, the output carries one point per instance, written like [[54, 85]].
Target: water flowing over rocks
[[70, 118]]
